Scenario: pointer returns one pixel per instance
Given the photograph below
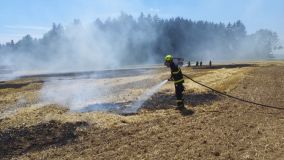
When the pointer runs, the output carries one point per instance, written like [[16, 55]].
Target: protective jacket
[[176, 74]]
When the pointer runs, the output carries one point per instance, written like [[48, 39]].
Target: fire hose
[[233, 97]]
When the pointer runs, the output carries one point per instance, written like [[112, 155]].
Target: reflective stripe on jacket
[[176, 74]]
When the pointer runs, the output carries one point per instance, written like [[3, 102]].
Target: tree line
[[145, 39]]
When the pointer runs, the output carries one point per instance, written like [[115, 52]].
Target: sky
[[35, 17]]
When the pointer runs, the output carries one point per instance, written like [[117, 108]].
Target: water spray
[[133, 108]]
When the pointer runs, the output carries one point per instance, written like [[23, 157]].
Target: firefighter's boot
[[180, 105]]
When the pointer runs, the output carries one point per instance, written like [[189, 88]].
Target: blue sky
[[35, 17]]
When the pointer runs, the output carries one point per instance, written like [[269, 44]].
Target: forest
[[127, 40]]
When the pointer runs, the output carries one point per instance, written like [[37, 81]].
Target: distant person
[[210, 63], [200, 63], [177, 77], [188, 64], [196, 64]]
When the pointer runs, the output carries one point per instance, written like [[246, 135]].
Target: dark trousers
[[179, 93]]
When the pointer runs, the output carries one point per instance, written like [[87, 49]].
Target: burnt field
[[37, 125]]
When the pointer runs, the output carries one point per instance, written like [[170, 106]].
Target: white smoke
[[70, 93], [88, 92]]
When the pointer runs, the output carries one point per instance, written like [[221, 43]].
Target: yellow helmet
[[168, 58]]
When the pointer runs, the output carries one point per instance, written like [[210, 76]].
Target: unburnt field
[[212, 127]]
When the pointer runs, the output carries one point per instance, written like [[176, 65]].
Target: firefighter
[[177, 77]]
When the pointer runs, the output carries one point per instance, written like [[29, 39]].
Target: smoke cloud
[[125, 40]]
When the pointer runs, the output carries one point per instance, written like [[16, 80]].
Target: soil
[[212, 126]]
